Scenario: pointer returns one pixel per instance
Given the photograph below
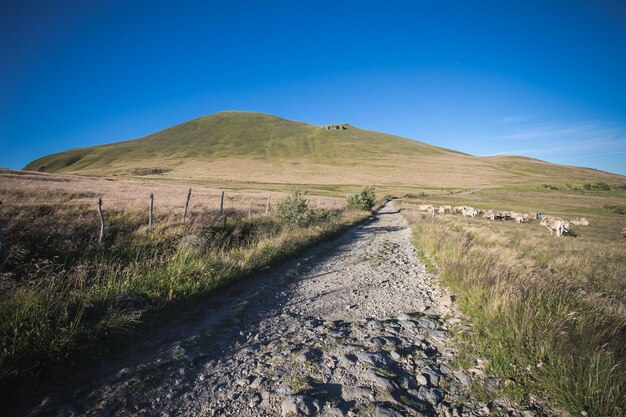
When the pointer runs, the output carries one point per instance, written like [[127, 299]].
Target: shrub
[[388, 197], [294, 209], [550, 187], [363, 200], [150, 171], [598, 186]]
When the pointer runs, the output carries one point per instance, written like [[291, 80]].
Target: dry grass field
[[19, 188], [548, 313]]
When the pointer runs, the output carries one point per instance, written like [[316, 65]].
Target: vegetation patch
[[363, 200], [597, 186], [62, 293], [548, 313], [414, 195], [615, 209], [150, 171]]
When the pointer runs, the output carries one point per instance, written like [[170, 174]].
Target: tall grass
[[63, 293], [548, 313]]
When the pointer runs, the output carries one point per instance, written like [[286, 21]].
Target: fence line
[[253, 206]]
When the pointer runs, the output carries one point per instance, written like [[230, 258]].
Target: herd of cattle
[[553, 224]]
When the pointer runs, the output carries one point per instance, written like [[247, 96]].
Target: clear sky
[[545, 79]]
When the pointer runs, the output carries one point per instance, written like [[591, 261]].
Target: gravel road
[[355, 327]]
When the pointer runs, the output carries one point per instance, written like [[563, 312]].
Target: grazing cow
[[556, 224], [498, 215], [444, 209], [489, 214], [457, 209], [469, 212], [520, 217], [425, 207], [506, 215], [580, 222]]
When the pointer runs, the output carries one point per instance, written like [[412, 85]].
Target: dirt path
[[355, 328]]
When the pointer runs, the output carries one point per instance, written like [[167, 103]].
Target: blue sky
[[535, 78]]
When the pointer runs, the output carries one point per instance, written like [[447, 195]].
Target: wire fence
[[223, 202]]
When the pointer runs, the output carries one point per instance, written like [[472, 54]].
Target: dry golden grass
[[23, 188]]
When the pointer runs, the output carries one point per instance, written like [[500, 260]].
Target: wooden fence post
[[222, 204], [101, 220], [187, 205], [267, 205], [250, 209], [151, 210]]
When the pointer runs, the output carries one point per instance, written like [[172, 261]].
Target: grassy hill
[[259, 148]]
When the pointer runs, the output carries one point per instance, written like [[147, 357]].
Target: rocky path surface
[[355, 328]]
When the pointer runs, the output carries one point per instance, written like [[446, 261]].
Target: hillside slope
[[255, 147]]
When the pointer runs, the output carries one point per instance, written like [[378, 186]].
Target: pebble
[[432, 396]]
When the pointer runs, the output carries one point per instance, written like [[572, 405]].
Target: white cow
[[556, 224], [520, 217], [469, 211]]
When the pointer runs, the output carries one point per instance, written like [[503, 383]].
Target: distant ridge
[[257, 147]]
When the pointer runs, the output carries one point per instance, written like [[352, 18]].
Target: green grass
[[547, 312], [233, 134]]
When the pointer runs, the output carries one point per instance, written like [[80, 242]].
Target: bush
[[363, 200], [294, 209], [413, 195], [387, 198], [598, 186]]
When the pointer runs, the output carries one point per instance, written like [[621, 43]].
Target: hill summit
[[257, 147]]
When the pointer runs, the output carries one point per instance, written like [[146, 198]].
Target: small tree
[[363, 200], [294, 209]]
